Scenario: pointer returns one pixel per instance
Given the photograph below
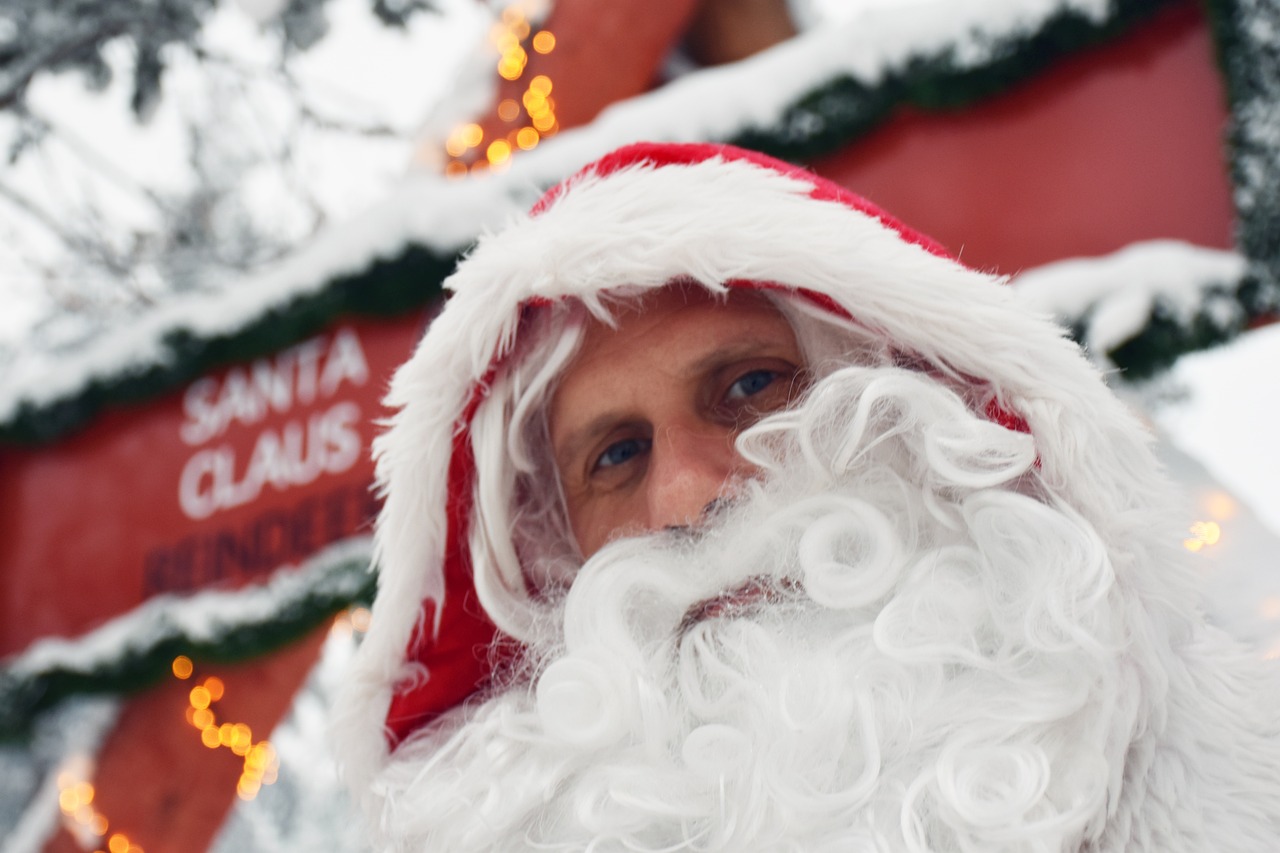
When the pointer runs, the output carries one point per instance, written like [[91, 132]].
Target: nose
[[688, 470]]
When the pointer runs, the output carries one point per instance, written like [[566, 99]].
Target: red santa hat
[[714, 216]]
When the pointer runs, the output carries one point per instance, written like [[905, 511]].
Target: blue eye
[[622, 452], [751, 384]]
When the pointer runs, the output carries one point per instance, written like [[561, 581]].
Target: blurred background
[[225, 222]]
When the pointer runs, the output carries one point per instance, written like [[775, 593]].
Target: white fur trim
[[711, 222]]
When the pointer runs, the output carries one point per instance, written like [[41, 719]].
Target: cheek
[[599, 519]]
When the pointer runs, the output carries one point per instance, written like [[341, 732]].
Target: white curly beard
[[895, 639]]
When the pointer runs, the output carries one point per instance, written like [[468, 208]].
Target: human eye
[[751, 384], [750, 391], [621, 452]]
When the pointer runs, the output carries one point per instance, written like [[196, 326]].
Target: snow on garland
[[137, 648], [806, 96], [1137, 308], [1248, 36]]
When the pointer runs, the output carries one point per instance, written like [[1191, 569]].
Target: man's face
[[644, 421]]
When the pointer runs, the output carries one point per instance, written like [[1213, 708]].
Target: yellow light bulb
[[215, 687], [508, 110], [472, 135], [499, 151], [182, 666], [118, 843], [544, 42], [527, 138], [199, 697], [540, 84]]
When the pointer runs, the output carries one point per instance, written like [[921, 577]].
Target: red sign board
[[241, 472]]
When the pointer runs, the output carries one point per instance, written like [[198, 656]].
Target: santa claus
[[723, 512]]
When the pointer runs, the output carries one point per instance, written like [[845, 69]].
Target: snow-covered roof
[[818, 89]]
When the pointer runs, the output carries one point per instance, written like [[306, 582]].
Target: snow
[[717, 103], [202, 617], [63, 740], [1220, 425], [1228, 416], [308, 807], [1116, 293]]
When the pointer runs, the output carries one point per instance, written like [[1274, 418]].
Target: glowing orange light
[[508, 110], [215, 687], [544, 42], [118, 843], [1270, 607], [512, 15], [521, 30], [182, 666], [540, 84], [527, 138], [455, 145], [1203, 534], [1220, 505], [202, 718], [499, 151], [455, 169], [472, 135], [84, 792], [67, 800], [209, 737], [98, 826], [510, 70], [199, 697], [544, 122]]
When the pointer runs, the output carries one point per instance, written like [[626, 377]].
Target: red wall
[[1120, 143]]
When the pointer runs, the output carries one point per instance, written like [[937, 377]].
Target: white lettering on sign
[[301, 374], [293, 454]]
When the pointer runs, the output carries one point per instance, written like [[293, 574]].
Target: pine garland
[[1249, 53], [263, 618], [138, 648], [844, 109], [389, 287], [827, 118]]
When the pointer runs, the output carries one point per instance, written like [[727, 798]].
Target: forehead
[[659, 326]]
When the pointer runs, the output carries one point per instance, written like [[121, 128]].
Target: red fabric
[[458, 656]]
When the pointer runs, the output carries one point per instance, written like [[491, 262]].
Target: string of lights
[[528, 121], [77, 794]]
